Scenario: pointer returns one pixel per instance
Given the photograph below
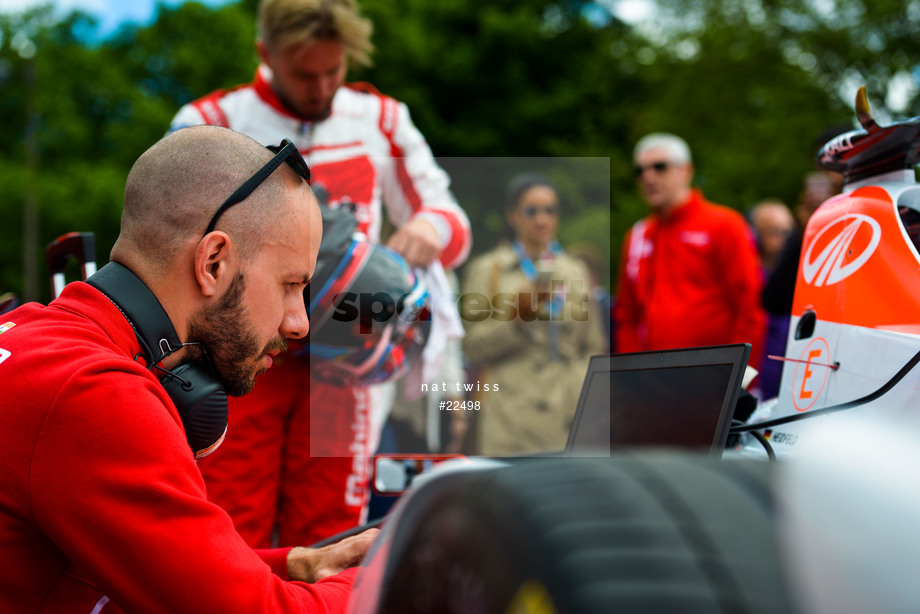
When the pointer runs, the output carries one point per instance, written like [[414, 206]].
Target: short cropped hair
[[175, 187], [286, 22], [677, 148]]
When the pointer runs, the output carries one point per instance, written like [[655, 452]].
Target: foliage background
[[751, 84]]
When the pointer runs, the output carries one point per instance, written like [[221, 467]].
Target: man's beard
[[225, 342], [300, 113]]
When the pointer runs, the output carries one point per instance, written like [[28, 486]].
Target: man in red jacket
[[113, 389], [689, 272]]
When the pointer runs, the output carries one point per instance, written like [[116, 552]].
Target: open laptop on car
[[682, 398]]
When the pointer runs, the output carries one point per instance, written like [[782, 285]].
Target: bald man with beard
[[102, 506]]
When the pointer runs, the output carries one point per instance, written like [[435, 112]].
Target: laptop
[[681, 398]]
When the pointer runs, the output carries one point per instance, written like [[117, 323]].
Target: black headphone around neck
[[199, 397]]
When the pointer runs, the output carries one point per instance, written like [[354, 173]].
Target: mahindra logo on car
[[845, 245]]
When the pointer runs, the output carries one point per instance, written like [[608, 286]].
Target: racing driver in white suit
[[277, 481]]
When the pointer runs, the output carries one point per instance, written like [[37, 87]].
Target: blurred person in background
[[779, 289], [531, 327], [817, 186], [689, 272], [772, 222], [364, 152]]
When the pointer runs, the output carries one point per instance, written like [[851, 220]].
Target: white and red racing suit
[[367, 152]]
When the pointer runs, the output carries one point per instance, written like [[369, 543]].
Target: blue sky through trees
[[111, 13]]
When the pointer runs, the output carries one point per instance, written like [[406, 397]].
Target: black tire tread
[[643, 532]]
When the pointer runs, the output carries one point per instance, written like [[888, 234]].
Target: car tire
[[640, 533]]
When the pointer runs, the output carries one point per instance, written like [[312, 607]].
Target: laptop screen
[[681, 398]]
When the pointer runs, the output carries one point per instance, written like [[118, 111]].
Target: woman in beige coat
[[531, 327]]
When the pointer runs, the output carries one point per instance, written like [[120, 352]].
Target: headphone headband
[[140, 307]]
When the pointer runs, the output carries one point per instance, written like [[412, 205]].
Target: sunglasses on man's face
[[531, 211], [658, 167], [285, 152]]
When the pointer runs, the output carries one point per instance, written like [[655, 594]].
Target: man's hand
[[313, 564], [417, 241]]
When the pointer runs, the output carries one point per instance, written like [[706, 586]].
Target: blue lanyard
[[527, 265], [556, 303]]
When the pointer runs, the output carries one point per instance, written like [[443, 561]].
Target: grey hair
[[677, 149]]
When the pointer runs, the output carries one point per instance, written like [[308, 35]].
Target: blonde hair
[[286, 22]]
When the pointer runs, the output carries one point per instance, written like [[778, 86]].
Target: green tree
[[97, 107]]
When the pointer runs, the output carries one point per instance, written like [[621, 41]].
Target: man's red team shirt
[[102, 508], [691, 279]]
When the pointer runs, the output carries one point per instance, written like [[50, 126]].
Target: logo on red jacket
[[698, 238], [840, 249]]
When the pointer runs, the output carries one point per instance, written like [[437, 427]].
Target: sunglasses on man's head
[[285, 152], [658, 167]]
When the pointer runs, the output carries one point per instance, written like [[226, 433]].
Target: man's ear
[[216, 263], [263, 52]]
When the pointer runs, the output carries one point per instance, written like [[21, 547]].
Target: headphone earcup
[[200, 399], [202, 405]]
